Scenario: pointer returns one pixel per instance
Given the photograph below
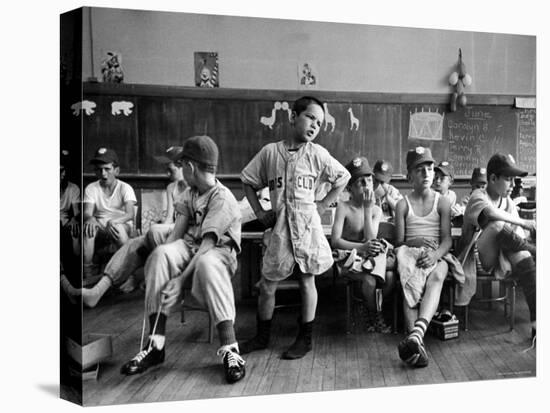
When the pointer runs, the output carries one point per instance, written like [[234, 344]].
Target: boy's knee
[[370, 281], [439, 273], [267, 288], [496, 226]]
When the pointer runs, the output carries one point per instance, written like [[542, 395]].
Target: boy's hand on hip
[[267, 218]]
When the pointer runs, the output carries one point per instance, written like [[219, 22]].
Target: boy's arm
[[491, 213], [400, 211], [169, 208], [371, 216], [330, 197], [172, 291], [180, 228], [267, 218], [445, 228]]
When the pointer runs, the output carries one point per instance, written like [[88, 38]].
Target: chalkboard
[[527, 143], [471, 135], [242, 121]]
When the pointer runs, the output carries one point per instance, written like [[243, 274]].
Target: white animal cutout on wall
[[86, 105], [329, 119], [270, 121], [121, 107], [285, 106], [354, 121]]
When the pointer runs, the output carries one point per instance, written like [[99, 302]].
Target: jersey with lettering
[[215, 211], [292, 178]]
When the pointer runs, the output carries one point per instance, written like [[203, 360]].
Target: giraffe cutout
[[354, 121], [269, 121], [329, 119], [285, 106]]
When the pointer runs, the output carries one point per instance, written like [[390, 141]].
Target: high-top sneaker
[[233, 363]]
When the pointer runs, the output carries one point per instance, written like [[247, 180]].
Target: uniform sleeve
[[128, 194], [477, 203], [183, 205], [334, 172], [223, 211], [255, 173]]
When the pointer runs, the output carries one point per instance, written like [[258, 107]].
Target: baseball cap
[[382, 171], [445, 168], [358, 167], [505, 165], [479, 175], [172, 154], [104, 155], [417, 156], [200, 149]]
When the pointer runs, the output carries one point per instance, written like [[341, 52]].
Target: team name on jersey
[[302, 182]]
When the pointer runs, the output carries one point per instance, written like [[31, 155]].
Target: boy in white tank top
[[423, 235]]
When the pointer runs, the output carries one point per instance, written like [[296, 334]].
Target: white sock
[[158, 341], [91, 296]]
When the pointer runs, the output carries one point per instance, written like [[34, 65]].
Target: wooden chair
[[508, 298], [386, 230]]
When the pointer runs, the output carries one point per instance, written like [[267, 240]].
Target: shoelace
[[142, 354], [233, 359], [533, 343]]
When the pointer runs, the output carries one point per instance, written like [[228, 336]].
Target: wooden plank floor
[[488, 351]]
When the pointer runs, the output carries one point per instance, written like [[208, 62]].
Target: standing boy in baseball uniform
[[292, 169], [204, 245], [108, 207], [132, 255]]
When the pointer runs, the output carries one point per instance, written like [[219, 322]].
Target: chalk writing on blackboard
[[426, 125], [475, 135], [527, 143]]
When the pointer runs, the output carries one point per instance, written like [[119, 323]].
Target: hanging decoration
[[459, 79]]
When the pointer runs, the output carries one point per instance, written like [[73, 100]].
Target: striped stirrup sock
[[419, 329]]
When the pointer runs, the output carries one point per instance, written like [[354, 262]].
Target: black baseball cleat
[[233, 363], [148, 357]]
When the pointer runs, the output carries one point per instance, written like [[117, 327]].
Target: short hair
[[302, 103], [201, 165]]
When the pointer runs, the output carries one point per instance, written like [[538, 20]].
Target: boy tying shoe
[[493, 226], [293, 169], [423, 235], [204, 245], [108, 207], [356, 227], [387, 195]]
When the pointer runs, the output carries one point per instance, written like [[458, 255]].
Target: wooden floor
[[488, 351]]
